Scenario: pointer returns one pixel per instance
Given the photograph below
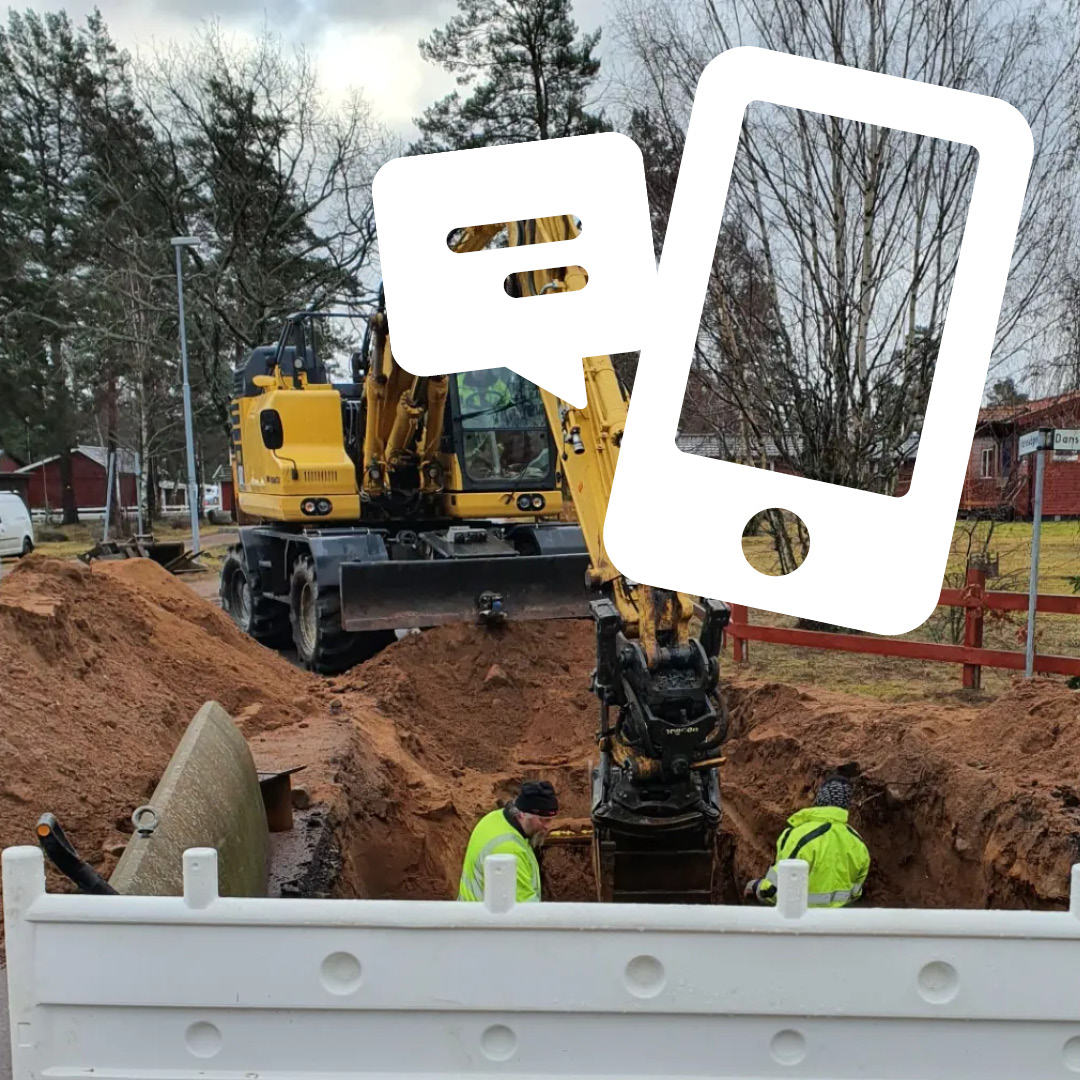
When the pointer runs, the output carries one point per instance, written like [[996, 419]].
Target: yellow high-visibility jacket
[[477, 399], [839, 860], [495, 834]]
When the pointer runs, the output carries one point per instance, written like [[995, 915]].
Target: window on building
[[989, 461]]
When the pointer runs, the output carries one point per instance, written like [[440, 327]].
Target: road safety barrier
[[974, 598], [115, 987]]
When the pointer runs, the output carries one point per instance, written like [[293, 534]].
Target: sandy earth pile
[[961, 807], [102, 669], [457, 717]]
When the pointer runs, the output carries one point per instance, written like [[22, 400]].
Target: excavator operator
[[821, 836], [502, 440], [483, 390], [514, 829]]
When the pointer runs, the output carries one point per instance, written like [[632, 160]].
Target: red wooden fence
[[976, 601]]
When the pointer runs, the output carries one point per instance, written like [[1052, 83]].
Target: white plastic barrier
[[129, 988]]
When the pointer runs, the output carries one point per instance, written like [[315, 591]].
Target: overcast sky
[[359, 44]]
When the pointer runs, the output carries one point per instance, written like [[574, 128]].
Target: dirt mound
[[457, 717], [960, 807], [463, 697], [102, 669]]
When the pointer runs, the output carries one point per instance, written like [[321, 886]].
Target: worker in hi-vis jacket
[[821, 836], [514, 829]]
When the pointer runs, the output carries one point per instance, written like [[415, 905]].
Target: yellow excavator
[[395, 501]]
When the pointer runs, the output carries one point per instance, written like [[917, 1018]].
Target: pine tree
[[527, 71], [45, 80]]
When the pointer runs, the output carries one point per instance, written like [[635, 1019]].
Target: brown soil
[[457, 718], [960, 807], [102, 669]]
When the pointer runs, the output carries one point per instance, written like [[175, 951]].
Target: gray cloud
[[312, 17], [283, 13], [316, 17], [381, 11]]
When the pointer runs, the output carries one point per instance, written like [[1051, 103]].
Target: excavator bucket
[[654, 847], [397, 595], [670, 868], [167, 553]]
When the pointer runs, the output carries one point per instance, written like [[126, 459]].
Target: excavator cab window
[[504, 433]]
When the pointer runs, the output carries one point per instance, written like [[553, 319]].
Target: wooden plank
[[1047, 603]]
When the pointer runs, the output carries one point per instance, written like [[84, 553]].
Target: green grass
[[891, 679], [81, 538]]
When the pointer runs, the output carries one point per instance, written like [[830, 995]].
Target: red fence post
[[740, 617], [973, 623]]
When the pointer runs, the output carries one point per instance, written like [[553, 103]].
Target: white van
[[16, 528]]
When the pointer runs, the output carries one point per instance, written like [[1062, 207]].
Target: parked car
[[16, 528]]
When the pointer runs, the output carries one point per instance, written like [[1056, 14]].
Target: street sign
[[1067, 440], [1035, 440]]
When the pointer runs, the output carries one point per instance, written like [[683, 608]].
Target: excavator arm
[[656, 803]]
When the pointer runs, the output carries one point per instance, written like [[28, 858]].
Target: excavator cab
[[501, 432]]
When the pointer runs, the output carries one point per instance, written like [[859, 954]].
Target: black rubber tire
[[262, 618], [27, 547], [322, 646]]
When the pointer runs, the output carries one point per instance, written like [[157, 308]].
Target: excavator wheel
[[260, 617], [322, 645]]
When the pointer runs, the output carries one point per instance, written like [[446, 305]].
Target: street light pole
[[179, 242]]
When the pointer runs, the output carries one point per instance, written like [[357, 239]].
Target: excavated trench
[[104, 668], [960, 807]]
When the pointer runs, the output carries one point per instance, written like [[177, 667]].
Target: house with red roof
[[999, 482]]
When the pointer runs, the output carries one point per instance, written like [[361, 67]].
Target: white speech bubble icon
[[449, 312], [674, 519]]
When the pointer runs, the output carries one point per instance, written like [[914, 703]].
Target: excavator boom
[[656, 800]]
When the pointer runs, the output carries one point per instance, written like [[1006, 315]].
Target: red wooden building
[[999, 482], [10, 477], [89, 478]]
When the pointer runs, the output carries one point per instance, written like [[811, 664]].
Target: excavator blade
[[397, 595]]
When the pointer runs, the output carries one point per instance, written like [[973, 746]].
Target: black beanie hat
[[836, 791], [537, 797]]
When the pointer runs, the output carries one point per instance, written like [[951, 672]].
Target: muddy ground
[[103, 667]]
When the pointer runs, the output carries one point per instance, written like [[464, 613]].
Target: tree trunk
[[67, 490], [151, 492], [144, 459], [199, 473], [63, 430], [112, 422]]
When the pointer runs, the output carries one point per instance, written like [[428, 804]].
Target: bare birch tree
[[276, 184], [832, 274]]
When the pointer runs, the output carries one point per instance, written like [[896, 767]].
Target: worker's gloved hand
[[751, 887]]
